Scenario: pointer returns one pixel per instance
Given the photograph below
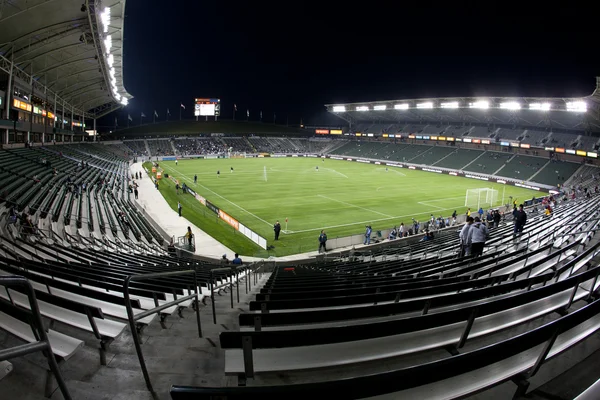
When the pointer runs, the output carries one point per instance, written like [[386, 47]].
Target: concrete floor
[[175, 355]]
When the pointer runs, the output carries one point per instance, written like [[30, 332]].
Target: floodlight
[[110, 60], [539, 106], [401, 107], [124, 101], [480, 104], [108, 43], [428, 104], [380, 107], [105, 18], [339, 109], [510, 105], [450, 104], [577, 106], [362, 108]]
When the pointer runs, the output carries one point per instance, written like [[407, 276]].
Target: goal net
[[481, 197]]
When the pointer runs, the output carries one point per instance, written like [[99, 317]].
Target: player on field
[[195, 179]]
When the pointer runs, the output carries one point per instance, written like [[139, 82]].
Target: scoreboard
[[207, 107]]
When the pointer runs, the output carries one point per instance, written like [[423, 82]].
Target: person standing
[[189, 235], [323, 241], [179, 207], [135, 192], [237, 260], [520, 220], [195, 179], [277, 229], [464, 234], [368, 234], [176, 162], [478, 234]]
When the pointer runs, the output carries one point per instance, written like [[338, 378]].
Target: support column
[[9, 91], [94, 129], [55, 115], [31, 113], [45, 117]]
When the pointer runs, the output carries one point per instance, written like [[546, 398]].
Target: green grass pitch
[[340, 197]]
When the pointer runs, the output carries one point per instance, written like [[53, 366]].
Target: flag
[[143, 115], [247, 113], [155, 114], [129, 117], [286, 220], [168, 112], [182, 106], [235, 107]]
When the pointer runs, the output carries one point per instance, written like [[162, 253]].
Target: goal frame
[[484, 196]]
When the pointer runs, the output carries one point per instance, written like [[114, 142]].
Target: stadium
[[115, 249]]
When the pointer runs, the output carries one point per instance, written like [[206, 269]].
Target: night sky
[[290, 58]]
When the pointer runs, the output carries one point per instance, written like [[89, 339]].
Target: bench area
[[423, 322]]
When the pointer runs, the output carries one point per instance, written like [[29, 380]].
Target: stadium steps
[[476, 158], [147, 148], [504, 165], [538, 171]]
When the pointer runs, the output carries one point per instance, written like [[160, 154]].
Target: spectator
[[237, 260], [478, 234], [323, 241]]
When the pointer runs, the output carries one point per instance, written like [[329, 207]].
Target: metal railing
[[132, 318], [43, 343]]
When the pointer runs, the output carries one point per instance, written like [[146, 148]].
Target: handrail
[[135, 317], [43, 343], [213, 288]]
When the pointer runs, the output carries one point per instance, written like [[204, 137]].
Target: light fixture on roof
[[362, 108], [380, 107], [401, 106], [577, 106], [540, 106], [339, 109], [510, 105], [450, 104], [427, 104], [480, 104]]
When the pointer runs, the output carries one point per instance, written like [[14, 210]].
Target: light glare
[[577, 106]]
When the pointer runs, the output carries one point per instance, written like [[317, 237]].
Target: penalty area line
[[353, 205], [218, 195]]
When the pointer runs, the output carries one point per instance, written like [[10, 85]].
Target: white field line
[[335, 172], [429, 205], [353, 205], [392, 169], [331, 226], [218, 195], [370, 221]]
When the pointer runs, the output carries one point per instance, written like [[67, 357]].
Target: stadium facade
[[60, 67], [564, 125]]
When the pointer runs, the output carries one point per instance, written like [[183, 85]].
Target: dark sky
[[293, 57]]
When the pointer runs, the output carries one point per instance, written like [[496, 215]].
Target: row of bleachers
[[137, 147], [522, 167], [352, 321], [238, 145], [509, 134], [556, 172], [459, 158], [192, 146], [160, 147], [536, 138]]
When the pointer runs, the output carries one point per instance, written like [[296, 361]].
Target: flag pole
[[286, 221]]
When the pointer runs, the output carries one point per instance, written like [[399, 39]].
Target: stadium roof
[[558, 113], [69, 50]]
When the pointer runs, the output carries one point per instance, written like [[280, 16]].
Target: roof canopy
[[69, 50], [581, 114]]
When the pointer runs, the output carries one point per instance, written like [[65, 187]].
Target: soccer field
[[340, 197]]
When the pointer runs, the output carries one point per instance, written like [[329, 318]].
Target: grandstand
[[98, 301]]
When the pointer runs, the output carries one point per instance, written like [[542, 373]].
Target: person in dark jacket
[[520, 220], [277, 229], [322, 241]]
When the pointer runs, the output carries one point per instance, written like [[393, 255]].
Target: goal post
[[481, 197]]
